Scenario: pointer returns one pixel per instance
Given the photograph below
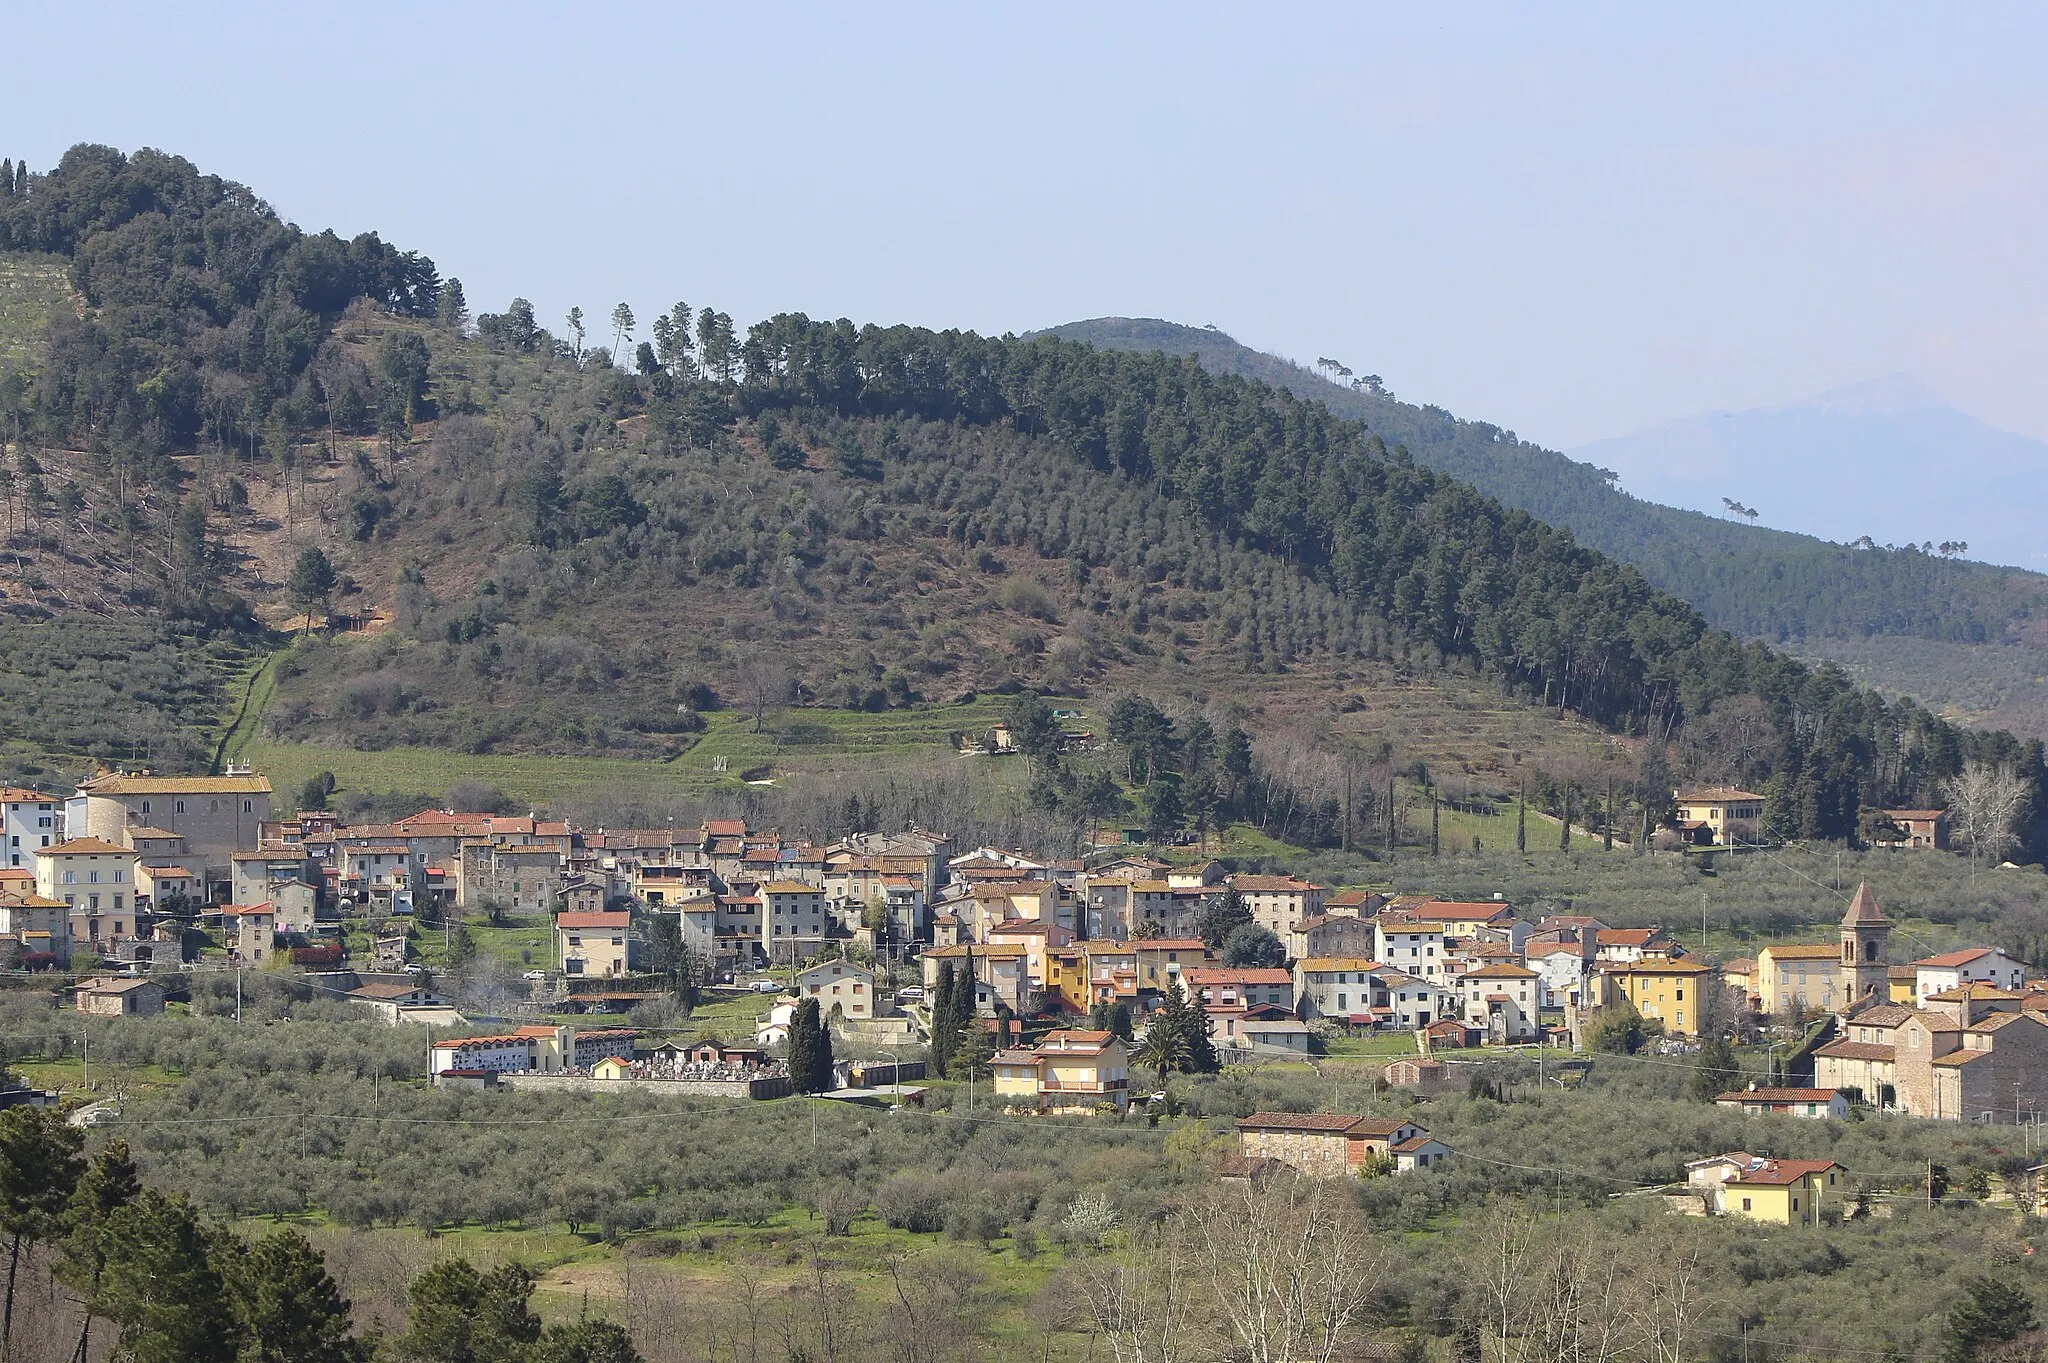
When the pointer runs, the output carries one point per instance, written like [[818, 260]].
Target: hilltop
[[542, 549], [1755, 581], [1866, 606]]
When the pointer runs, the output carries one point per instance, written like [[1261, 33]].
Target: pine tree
[[39, 1168], [453, 310], [810, 1050], [161, 1286], [977, 1052], [109, 1184], [1716, 1071], [290, 1310]]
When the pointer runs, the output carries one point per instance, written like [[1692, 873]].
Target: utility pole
[[1607, 830], [238, 993]]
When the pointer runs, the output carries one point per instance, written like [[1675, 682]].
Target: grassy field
[[814, 742], [33, 289], [684, 1283]]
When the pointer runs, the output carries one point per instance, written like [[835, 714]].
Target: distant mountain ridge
[[1888, 458], [1765, 583]]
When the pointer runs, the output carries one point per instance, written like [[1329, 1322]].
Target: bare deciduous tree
[[1986, 802], [1288, 1267], [1265, 1274]]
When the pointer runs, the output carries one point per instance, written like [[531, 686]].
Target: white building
[[1503, 999], [1341, 988], [1971, 965], [1562, 967], [792, 918], [1413, 1002], [30, 819], [840, 985], [1410, 947]]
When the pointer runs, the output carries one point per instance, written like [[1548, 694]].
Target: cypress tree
[[1522, 818], [7, 176], [943, 1037], [810, 1050]]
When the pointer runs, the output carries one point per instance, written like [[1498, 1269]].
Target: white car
[[910, 994], [535, 975], [766, 987]]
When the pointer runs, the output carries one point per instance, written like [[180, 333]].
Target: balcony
[[1102, 1086]]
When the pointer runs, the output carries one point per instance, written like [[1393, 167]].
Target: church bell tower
[[1864, 932]]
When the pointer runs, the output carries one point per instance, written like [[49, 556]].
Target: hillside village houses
[[1951, 1034]]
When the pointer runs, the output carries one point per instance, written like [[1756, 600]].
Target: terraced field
[[33, 289]]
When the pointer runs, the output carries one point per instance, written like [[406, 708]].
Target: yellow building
[[612, 1067], [1780, 1192], [1068, 1069], [1806, 974], [1711, 809], [1668, 991]]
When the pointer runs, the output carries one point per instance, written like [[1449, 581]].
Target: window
[[145, 806], [248, 806], [179, 807], [1746, 1204], [70, 876]]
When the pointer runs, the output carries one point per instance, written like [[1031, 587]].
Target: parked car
[[766, 986], [535, 975], [910, 993]]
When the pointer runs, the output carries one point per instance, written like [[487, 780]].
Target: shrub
[[912, 1202]]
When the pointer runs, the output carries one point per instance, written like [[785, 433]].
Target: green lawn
[[811, 741]]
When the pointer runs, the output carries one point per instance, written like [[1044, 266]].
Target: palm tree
[[1163, 1049]]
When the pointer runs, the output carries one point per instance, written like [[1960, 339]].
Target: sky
[[1572, 221]]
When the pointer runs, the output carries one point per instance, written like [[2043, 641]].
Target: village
[[1071, 967]]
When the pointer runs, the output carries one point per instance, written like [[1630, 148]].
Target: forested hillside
[[1755, 582], [555, 551]]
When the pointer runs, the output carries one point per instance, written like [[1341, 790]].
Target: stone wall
[[777, 1086]]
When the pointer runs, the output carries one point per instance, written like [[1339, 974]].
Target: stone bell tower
[[1864, 932]]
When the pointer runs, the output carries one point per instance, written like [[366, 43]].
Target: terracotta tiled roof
[[1951, 960], [1863, 909], [1858, 1050], [599, 919], [1803, 951], [176, 785], [1761, 1095], [83, 847], [1333, 1122], [1780, 1172], [1228, 975], [1271, 884]]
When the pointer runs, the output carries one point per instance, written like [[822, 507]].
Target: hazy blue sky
[[1570, 220]]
